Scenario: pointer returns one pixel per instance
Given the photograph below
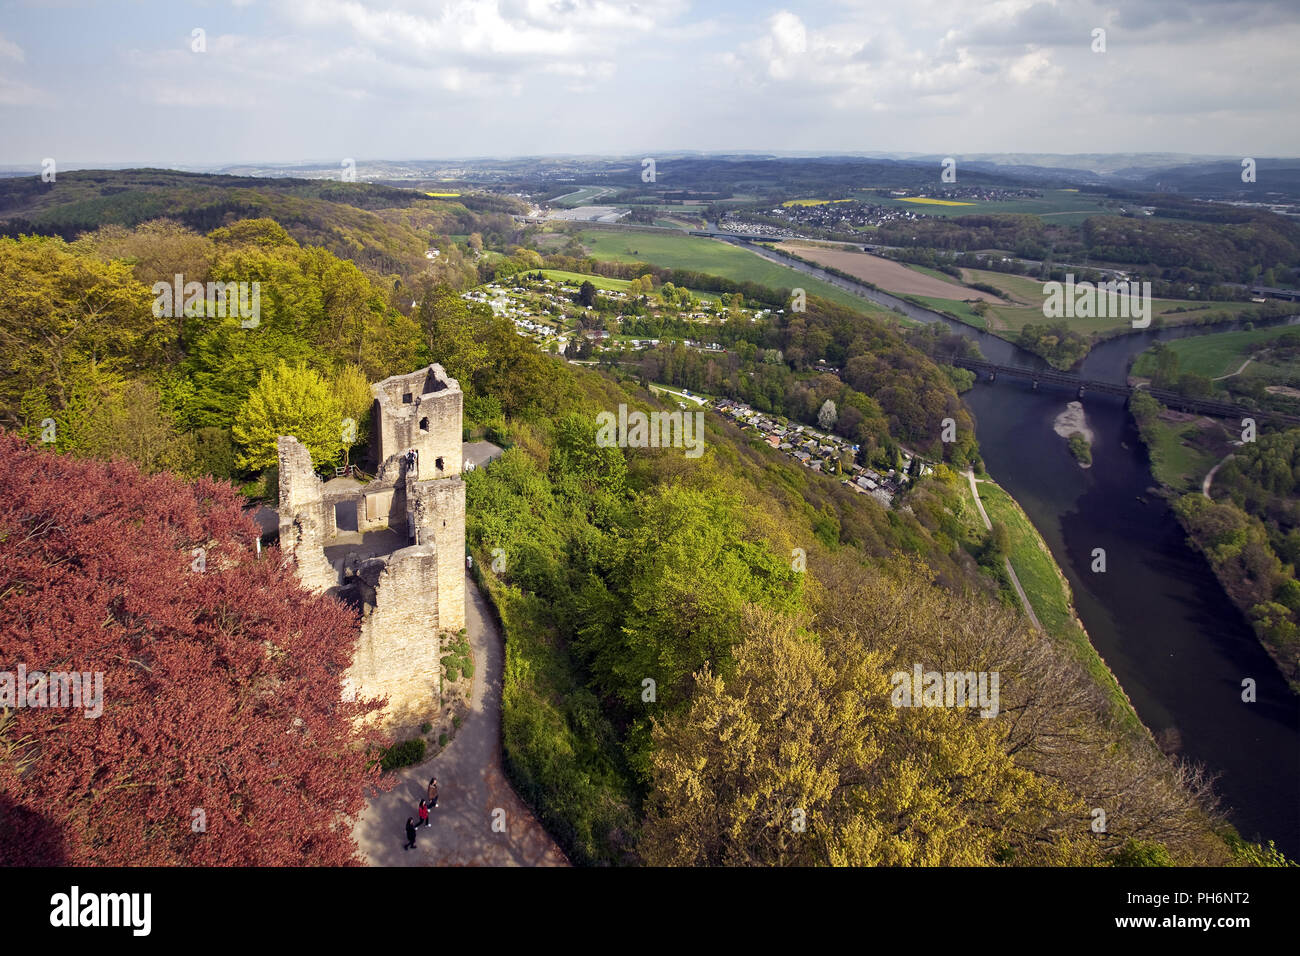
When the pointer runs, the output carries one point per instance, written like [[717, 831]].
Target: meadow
[[1062, 206], [679, 251], [1026, 296], [1213, 355]]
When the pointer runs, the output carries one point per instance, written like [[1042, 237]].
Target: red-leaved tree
[[224, 738]]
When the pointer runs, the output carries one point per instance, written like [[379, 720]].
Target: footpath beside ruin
[[471, 783]]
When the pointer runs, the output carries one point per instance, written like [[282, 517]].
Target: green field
[[1212, 355], [610, 285], [927, 271], [577, 278], [1060, 206], [954, 307], [1049, 594], [1174, 460], [1027, 297], [679, 251]]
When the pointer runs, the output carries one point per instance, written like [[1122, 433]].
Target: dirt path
[[1219, 378], [1209, 478], [471, 784], [1011, 572]]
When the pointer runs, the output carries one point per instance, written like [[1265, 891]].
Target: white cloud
[[10, 50]]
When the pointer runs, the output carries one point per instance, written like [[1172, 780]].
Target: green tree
[[293, 401], [453, 337], [356, 403], [60, 311]]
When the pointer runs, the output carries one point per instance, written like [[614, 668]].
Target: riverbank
[[1235, 541], [1048, 591]]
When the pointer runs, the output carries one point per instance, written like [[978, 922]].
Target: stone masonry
[[406, 593]]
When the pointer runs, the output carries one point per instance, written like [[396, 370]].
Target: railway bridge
[[1082, 386]]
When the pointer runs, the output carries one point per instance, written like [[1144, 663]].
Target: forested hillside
[[698, 650], [676, 687], [381, 228]]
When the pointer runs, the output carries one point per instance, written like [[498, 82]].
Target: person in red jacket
[[424, 813]]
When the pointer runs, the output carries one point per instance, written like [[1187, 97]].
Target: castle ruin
[[394, 548]]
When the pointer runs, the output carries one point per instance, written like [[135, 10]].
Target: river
[[1157, 615]]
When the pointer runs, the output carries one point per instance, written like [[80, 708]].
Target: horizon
[[903, 157]]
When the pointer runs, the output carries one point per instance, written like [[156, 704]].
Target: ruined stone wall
[[306, 520], [408, 596], [437, 510], [423, 411], [399, 655]]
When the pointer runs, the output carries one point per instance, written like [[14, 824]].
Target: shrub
[[426, 727], [442, 740], [1080, 449], [404, 754], [1140, 853]]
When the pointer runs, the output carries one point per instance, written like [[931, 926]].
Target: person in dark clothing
[[424, 813], [410, 834]]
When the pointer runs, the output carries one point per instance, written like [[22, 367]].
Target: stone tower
[[394, 547]]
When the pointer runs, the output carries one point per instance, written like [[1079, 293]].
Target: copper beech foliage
[[221, 688]]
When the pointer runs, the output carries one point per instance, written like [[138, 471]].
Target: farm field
[[926, 201], [1216, 354], [677, 251], [886, 273], [1056, 205], [1026, 297], [811, 202], [954, 307], [927, 271]]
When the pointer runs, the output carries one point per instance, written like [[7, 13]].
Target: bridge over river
[[1082, 386]]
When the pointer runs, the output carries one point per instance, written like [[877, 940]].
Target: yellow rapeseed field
[[936, 202]]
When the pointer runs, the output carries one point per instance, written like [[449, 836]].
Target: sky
[[209, 83]]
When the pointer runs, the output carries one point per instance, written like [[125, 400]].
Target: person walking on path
[[433, 792], [410, 834], [424, 813]]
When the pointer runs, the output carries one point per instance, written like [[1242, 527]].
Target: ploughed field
[[886, 273]]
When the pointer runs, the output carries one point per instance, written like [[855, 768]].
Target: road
[[479, 820], [680, 395]]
